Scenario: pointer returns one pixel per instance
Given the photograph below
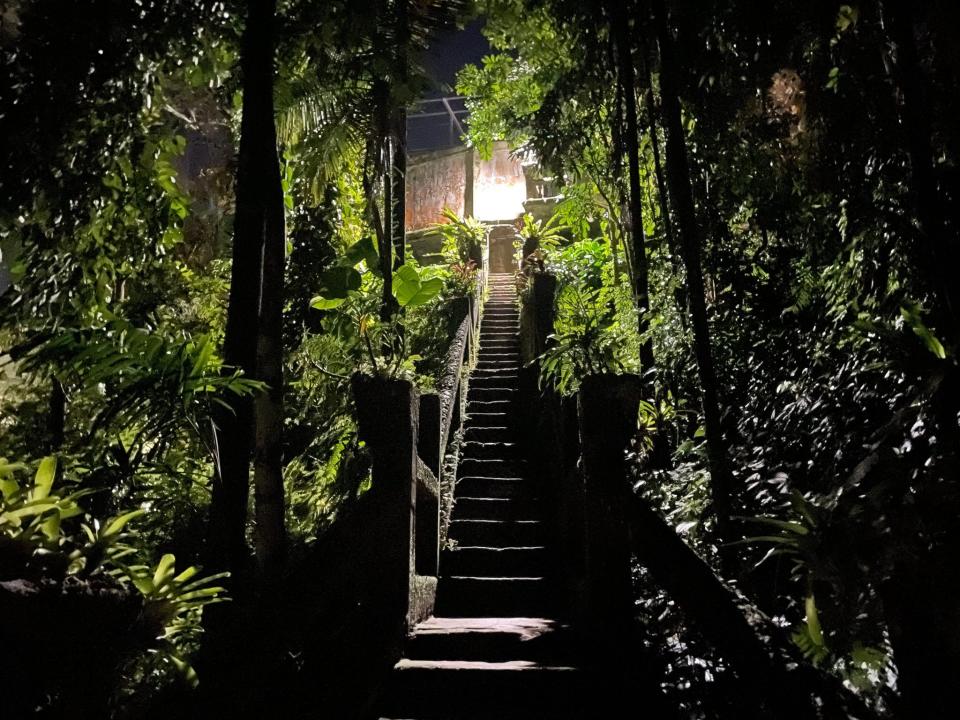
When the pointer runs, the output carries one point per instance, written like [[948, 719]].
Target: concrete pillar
[[428, 435], [607, 407], [427, 555], [388, 419]]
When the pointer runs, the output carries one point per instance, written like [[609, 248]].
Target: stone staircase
[[494, 650]]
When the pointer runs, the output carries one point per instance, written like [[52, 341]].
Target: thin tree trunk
[[625, 76], [678, 177], [400, 188], [57, 416], [398, 167], [936, 254], [231, 486], [386, 264]]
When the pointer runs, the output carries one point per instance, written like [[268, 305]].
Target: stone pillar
[[427, 556], [428, 435], [430, 450], [387, 418], [544, 294], [607, 407], [468, 182]]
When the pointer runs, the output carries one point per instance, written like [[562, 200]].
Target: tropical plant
[[533, 234], [585, 342], [46, 536], [464, 237]]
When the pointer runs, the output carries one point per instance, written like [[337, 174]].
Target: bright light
[[499, 186]]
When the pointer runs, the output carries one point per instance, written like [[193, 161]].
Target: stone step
[[471, 690], [491, 368], [495, 639], [494, 487], [479, 561], [498, 361], [489, 434], [490, 406], [495, 380], [464, 596], [509, 371], [492, 450], [490, 419], [489, 356], [479, 508], [485, 394], [491, 467], [503, 315], [497, 533]]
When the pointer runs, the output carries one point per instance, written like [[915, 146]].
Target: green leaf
[[164, 571], [339, 281], [189, 674], [912, 314], [51, 526], [813, 620], [363, 249], [406, 284], [429, 289], [43, 481], [9, 489], [117, 524], [322, 303]]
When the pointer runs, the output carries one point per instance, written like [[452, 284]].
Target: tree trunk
[[234, 425], [678, 178], [670, 236], [626, 79], [268, 455]]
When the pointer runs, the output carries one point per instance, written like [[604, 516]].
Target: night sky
[[445, 57]]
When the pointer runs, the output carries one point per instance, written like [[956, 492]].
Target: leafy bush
[[47, 538], [463, 237]]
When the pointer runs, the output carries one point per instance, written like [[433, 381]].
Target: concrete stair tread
[[496, 532], [508, 666]]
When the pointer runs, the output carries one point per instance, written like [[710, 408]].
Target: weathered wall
[[435, 181], [493, 189]]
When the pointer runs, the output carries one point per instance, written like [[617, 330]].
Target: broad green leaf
[[143, 583], [364, 249], [406, 284], [322, 303], [44, 479], [429, 289]]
